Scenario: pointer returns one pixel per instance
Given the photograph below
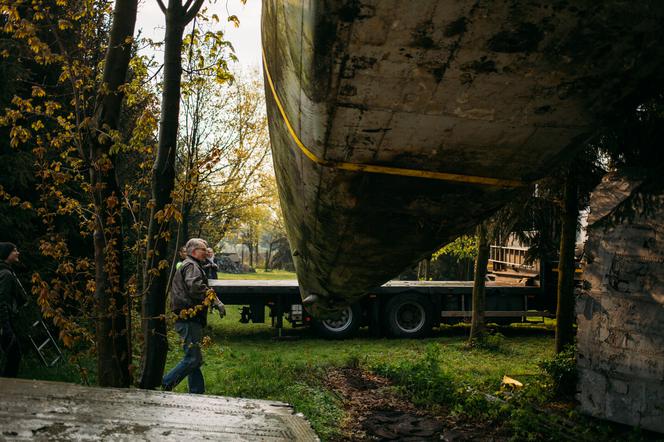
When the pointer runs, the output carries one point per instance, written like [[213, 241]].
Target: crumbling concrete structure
[[620, 311]]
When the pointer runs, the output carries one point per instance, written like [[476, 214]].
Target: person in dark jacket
[[182, 255], [210, 265], [189, 294], [12, 296]]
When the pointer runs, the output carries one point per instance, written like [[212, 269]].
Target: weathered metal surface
[[40, 410], [620, 313], [500, 89]]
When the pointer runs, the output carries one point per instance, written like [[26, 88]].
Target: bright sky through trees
[[246, 39]]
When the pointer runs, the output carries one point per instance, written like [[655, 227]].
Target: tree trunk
[[477, 326], [423, 270], [155, 344], [566, 265], [112, 343], [268, 252]]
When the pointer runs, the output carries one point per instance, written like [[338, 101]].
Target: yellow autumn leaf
[[67, 340], [38, 91], [234, 20], [37, 125], [111, 201]]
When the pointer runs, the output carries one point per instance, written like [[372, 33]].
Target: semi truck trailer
[[400, 309]]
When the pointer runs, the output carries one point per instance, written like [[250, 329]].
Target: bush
[[561, 369], [478, 405]]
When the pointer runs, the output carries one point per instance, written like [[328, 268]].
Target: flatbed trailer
[[397, 308]]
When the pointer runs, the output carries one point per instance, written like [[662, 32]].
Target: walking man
[[12, 296], [189, 290]]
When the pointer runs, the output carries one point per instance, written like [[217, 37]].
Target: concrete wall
[[620, 313]]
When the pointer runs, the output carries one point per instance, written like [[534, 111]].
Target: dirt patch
[[375, 411], [395, 424]]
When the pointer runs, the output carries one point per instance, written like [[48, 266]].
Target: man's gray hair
[[195, 243]]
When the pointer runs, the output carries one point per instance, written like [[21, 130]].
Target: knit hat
[[6, 248]]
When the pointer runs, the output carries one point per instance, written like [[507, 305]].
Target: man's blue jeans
[[191, 332]]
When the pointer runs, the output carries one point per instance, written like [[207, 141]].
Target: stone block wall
[[620, 313]]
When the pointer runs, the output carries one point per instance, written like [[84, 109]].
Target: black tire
[[408, 315], [344, 327]]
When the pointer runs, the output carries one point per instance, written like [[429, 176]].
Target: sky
[[246, 39]]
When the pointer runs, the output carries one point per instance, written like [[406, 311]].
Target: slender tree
[[566, 264], [113, 347], [155, 345], [203, 149], [477, 326], [493, 230]]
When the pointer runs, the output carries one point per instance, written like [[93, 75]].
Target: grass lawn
[[439, 374], [244, 360]]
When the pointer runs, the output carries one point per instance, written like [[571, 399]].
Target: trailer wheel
[[343, 327], [409, 315]]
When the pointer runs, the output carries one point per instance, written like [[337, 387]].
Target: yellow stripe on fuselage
[[371, 168]]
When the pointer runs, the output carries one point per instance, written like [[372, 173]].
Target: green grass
[[440, 373], [32, 368], [245, 361], [260, 274]]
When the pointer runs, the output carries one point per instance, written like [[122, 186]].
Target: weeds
[[422, 379], [320, 406], [488, 341], [561, 369], [528, 413], [352, 361]]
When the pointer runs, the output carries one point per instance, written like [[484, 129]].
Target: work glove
[[221, 308]]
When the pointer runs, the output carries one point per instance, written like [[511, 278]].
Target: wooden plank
[[42, 410]]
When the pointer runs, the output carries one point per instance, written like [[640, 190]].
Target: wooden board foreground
[[42, 410]]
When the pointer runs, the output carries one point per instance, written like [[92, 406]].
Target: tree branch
[[162, 7], [191, 13]]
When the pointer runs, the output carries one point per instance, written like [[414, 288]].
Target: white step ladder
[[43, 342]]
